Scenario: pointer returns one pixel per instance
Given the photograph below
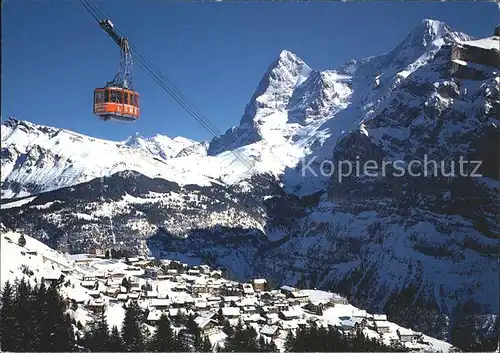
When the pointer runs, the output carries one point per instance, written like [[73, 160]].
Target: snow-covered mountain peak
[[160, 145]]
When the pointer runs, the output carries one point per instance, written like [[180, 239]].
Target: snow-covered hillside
[[89, 282]]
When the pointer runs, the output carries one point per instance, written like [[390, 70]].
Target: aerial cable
[[166, 84]]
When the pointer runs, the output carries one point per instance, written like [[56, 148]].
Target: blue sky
[[55, 54]]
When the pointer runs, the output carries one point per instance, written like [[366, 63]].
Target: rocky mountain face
[[421, 247]]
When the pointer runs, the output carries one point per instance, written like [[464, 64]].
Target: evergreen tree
[[206, 346], [7, 319], [289, 342], [97, 338], [164, 338], [21, 241], [106, 254], [132, 334], [125, 283], [115, 343]]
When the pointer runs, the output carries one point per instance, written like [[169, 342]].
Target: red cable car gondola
[[117, 100]]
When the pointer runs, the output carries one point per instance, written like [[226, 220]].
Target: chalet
[[259, 284], [316, 306], [180, 287], [134, 296], [286, 290], [382, 327], [204, 268], [288, 325], [95, 305], [151, 294], [300, 296], [289, 315], [230, 312], [407, 335], [53, 277], [153, 272], [272, 318], [199, 288], [206, 325], [201, 305], [351, 324], [193, 272], [94, 293], [247, 288], [269, 331], [123, 297], [214, 288], [153, 317], [88, 277], [229, 300], [249, 309], [337, 299], [89, 284], [112, 291], [172, 271], [379, 317], [160, 303]]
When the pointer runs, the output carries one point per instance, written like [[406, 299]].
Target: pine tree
[[289, 342], [115, 343], [132, 335], [21, 241], [106, 254], [206, 346], [7, 319], [163, 339], [98, 336]]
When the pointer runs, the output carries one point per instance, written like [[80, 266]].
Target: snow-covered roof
[[230, 311], [405, 332], [259, 281], [202, 321], [287, 288], [154, 315], [379, 317], [160, 302], [268, 330]]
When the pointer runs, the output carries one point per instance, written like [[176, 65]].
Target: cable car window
[[126, 97], [99, 96], [106, 96], [115, 96]]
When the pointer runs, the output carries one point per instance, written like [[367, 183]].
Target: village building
[[154, 317], [231, 312], [207, 325], [247, 288], [407, 335], [382, 327], [270, 331], [289, 315], [160, 303], [259, 284]]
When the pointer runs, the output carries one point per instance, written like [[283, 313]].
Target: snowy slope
[[44, 262]]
